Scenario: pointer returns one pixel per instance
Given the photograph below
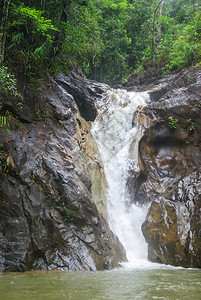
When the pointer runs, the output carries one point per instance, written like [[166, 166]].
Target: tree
[[4, 25], [30, 38], [116, 43], [108, 39], [159, 8]]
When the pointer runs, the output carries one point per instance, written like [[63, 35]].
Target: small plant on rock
[[191, 125], [173, 122], [8, 82], [50, 200], [68, 215], [6, 162]]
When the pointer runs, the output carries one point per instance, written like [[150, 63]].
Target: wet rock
[[157, 92], [144, 81], [169, 176], [85, 93], [160, 231], [94, 168], [195, 89], [47, 217], [171, 227]]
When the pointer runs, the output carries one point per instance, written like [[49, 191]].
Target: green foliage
[[181, 10], [31, 37], [6, 162], [191, 125], [6, 120], [112, 65], [177, 36], [108, 39], [82, 42], [24, 15], [186, 49], [173, 122], [8, 82], [50, 200], [68, 215], [3, 121]]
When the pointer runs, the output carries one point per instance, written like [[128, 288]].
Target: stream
[[156, 282]]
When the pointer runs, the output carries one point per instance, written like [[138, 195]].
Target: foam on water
[[114, 131]]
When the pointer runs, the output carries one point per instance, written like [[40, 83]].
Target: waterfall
[[116, 133]]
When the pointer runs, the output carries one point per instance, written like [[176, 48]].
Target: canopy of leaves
[[108, 39]]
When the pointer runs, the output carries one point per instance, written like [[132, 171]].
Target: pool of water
[[123, 283]]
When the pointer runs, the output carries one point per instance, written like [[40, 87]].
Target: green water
[[122, 283]]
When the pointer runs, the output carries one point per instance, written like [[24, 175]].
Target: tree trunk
[[154, 31], [3, 33], [160, 13]]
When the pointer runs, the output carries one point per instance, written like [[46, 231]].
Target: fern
[[39, 52]]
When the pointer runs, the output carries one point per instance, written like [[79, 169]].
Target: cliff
[[170, 164], [47, 217], [52, 189]]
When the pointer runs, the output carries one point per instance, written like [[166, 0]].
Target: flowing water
[[116, 133]]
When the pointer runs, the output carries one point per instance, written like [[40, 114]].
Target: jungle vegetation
[[108, 39]]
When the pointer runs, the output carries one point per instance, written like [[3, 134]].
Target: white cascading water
[[115, 134]]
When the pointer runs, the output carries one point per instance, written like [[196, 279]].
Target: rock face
[[170, 168], [52, 201], [47, 217], [85, 93]]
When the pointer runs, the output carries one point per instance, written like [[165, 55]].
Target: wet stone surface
[[169, 177], [47, 217]]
